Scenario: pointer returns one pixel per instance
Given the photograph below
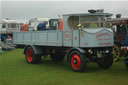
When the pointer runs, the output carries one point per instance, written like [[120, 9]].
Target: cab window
[[3, 25], [92, 21], [86, 22], [73, 22]]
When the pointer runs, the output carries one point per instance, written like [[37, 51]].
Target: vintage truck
[[83, 38]]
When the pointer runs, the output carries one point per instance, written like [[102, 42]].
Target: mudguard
[[37, 49], [72, 49]]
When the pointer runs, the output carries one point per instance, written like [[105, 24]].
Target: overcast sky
[[51, 9]]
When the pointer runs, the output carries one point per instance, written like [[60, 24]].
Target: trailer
[[84, 38]]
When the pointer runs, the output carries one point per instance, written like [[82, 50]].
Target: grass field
[[15, 71]]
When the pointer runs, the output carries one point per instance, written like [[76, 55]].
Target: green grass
[[15, 71]]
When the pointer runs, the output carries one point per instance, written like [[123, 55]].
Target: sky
[[51, 9]]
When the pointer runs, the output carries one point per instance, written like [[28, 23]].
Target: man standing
[[93, 25], [41, 26]]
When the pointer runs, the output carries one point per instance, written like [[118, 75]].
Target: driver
[[92, 25]]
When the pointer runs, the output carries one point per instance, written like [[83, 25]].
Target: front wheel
[[77, 61], [31, 57], [106, 61]]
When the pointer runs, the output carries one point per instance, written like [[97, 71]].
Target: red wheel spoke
[[75, 61], [29, 53]]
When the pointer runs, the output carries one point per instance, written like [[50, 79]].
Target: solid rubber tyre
[[77, 61], [106, 62], [31, 57]]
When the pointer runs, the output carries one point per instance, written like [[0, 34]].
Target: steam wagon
[[84, 38]]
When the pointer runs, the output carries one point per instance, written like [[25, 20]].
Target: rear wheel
[[31, 57], [77, 61], [106, 61]]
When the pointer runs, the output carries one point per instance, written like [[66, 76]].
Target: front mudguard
[[77, 49]]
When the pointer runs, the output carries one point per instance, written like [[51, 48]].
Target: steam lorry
[[83, 38]]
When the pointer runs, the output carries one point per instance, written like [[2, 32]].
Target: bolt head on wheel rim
[[75, 61], [29, 55]]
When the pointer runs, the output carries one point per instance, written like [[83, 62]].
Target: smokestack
[[118, 15], [92, 11]]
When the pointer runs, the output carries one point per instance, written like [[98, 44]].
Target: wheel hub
[[29, 55], [75, 61]]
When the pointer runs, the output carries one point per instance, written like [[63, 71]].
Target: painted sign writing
[[85, 43], [106, 43], [107, 40], [103, 34], [103, 39], [67, 35]]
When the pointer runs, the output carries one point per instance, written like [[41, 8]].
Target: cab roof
[[90, 14]]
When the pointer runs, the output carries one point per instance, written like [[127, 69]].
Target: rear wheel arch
[[36, 49], [25, 48], [31, 57]]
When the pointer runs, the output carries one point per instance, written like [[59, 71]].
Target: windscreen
[[92, 21], [86, 22]]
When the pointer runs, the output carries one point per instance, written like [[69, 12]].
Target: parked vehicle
[[83, 38], [120, 32], [7, 27]]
